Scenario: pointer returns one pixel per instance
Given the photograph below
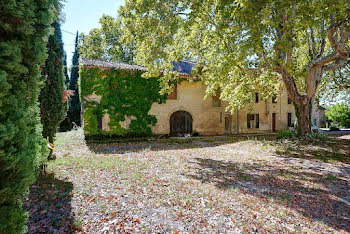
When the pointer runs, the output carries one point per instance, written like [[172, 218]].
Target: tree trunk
[[50, 157], [302, 103], [303, 114]]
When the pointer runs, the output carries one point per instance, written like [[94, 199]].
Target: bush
[[340, 114], [283, 134], [332, 128], [24, 30], [317, 136]]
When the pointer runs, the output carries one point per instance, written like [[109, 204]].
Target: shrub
[[333, 128], [317, 136], [282, 134], [339, 113], [24, 29]]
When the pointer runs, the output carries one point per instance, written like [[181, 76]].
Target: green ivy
[[123, 93]]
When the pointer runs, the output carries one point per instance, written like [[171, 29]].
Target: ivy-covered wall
[[123, 93]]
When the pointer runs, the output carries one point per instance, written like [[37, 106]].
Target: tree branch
[[313, 43], [337, 64], [326, 59], [345, 86], [323, 40], [289, 82], [338, 46]]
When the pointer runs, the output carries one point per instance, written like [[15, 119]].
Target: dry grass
[[220, 184]]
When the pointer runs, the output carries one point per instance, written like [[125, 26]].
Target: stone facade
[[211, 120], [208, 116]]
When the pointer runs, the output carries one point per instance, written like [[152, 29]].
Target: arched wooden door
[[180, 123]]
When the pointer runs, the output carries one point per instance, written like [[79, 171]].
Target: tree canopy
[[243, 47], [104, 43]]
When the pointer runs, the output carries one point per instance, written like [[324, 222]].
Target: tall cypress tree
[[74, 104], [65, 125], [24, 29], [66, 82], [52, 110]]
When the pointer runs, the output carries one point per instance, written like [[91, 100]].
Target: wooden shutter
[[173, 94]]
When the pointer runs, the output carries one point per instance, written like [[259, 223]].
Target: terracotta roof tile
[[183, 67]]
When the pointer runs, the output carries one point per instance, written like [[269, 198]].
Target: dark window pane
[[99, 122], [257, 121], [289, 119], [250, 120], [256, 97]]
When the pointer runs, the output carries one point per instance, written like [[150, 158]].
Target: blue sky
[[83, 16]]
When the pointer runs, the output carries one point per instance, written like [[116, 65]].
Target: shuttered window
[[289, 119], [173, 94], [253, 121]]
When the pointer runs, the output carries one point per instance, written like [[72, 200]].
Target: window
[[253, 121], [99, 123], [289, 119], [274, 99], [220, 117], [216, 102], [173, 94], [314, 122], [256, 97], [289, 101]]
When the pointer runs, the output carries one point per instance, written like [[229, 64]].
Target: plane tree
[[244, 47]]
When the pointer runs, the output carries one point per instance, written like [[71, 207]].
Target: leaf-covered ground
[[213, 184]]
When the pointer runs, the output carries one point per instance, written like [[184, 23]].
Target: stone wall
[[209, 120]]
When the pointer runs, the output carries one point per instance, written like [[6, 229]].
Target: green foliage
[[123, 93], [52, 110], [243, 47], [65, 70], [74, 111], [65, 125], [285, 134], [332, 91], [104, 43], [317, 136], [339, 113], [24, 29]]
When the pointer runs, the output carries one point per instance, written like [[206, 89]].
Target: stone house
[[186, 111]]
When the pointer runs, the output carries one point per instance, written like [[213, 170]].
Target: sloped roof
[[183, 67], [107, 64]]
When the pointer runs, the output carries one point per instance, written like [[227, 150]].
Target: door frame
[[181, 113], [273, 122], [229, 130]]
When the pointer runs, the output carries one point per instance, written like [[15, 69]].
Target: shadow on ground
[[49, 206], [331, 150], [171, 143], [318, 196]]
